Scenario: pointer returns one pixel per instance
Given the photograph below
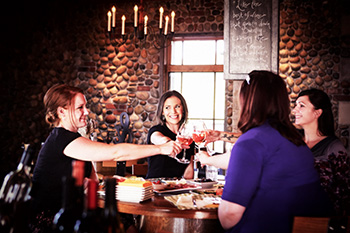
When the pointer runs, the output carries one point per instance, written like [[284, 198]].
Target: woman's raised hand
[[202, 157], [171, 148], [212, 136]]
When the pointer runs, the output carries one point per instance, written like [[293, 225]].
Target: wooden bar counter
[[159, 215]]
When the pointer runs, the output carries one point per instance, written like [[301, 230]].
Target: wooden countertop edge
[[145, 209]]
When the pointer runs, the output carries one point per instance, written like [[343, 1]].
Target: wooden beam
[[195, 68]]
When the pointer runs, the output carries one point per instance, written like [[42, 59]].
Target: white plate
[[204, 185], [133, 200], [175, 190]]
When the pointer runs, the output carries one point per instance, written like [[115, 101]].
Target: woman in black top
[[66, 112], [313, 113], [171, 114]]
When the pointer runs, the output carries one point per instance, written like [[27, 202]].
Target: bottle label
[[17, 192]]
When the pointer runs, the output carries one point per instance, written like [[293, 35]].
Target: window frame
[[189, 68]]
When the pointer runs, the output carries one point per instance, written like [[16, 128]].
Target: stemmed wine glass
[[199, 133], [185, 138], [199, 137]]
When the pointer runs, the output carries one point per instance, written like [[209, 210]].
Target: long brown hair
[[163, 98], [264, 98], [59, 95]]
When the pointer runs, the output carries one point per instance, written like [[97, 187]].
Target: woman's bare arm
[[214, 135], [219, 161], [230, 213], [85, 149]]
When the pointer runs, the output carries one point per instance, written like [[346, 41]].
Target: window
[[196, 71]]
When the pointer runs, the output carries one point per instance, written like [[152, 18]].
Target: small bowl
[[158, 187]]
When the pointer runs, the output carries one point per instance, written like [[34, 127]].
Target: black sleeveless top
[[162, 165], [51, 166]]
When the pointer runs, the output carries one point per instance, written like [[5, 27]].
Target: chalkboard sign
[[251, 37]]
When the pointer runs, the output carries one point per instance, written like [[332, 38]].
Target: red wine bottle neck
[[92, 195]]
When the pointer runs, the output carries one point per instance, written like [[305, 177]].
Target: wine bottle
[[111, 222], [15, 195], [78, 175], [65, 218], [90, 221]]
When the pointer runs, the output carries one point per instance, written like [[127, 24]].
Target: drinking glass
[[185, 138], [199, 133]]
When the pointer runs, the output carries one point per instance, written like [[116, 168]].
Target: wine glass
[[185, 138], [198, 136], [199, 133]]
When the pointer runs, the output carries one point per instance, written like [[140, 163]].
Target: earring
[[163, 118]]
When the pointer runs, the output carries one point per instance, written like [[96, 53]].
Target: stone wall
[[313, 44], [69, 44], [123, 75]]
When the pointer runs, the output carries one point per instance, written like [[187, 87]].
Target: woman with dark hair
[[171, 114], [313, 113], [270, 176]]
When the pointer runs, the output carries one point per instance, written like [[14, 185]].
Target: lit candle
[[145, 27], [113, 16], [172, 21], [123, 25], [135, 16], [166, 25], [161, 10], [109, 14]]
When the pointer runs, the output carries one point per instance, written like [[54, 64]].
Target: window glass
[[199, 97], [175, 81], [176, 53], [218, 146], [197, 52], [220, 52], [204, 92], [220, 96]]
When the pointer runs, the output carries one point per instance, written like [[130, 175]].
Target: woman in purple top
[[270, 176]]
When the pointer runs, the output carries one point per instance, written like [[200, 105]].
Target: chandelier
[[141, 27]]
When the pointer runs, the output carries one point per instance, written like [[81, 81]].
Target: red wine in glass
[[184, 137], [198, 137], [185, 140]]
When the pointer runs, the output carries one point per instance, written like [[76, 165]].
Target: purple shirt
[[274, 179]]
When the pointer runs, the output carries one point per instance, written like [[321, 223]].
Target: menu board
[[251, 37]]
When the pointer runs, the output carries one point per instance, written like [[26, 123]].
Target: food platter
[[161, 185]]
